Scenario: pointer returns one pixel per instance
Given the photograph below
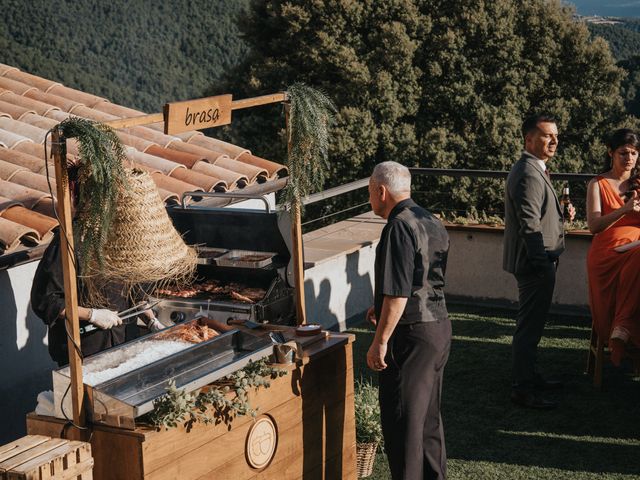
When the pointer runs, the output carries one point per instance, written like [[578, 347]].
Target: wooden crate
[[38, 457]]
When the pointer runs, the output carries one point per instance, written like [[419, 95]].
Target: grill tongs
[[127, 316]]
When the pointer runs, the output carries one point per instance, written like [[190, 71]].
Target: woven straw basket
[[143, 245], [365, 456]]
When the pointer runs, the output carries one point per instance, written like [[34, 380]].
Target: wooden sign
[[197, 114]]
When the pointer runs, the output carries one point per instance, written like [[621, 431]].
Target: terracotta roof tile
[[117, 110], [31, 80], [182, 158], [32, 180], [8, 170], [253, 173], [40, 108], [26, 196], [32, 105], [158, 164], [38, 222], [274, 169], [14, 234], [210, 156], [206, 182], [46, 206], [13, 111], [15, 86], [231, 150], [6, 68], [62, 103], [11, 140], [39, 121], [76, 95], [30, 148], [24, 129], [174, 185], [6, 203], [17, 157]]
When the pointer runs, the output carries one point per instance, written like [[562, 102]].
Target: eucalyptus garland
[[101, 175], [310, 116], [213, 404]]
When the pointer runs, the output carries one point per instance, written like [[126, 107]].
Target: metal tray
[[245, 259], [121, 399], [208, 255]]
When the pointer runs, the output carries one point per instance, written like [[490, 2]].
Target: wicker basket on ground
[[365, 458]]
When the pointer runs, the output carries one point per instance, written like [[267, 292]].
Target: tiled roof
[[31, 105]]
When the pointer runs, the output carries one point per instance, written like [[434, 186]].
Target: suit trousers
[[410, 391], [534, 294]]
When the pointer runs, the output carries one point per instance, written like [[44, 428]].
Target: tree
[[631, 85], [360, 52], [434, 83]]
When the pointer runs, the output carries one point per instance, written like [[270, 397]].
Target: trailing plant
[[472, 217], [367, 413], [212, 404], [310, 116], [101, 175]]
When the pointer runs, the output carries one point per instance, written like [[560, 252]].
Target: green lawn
[[592, 435]]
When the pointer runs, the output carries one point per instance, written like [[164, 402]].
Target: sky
[[607, 8]]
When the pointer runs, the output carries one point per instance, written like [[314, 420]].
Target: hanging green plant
[[311, 113], [101, 176]]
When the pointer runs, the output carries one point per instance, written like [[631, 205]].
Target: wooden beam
[[257, 101], [59, 151], [296, 237], [135, 121], [160, 117]]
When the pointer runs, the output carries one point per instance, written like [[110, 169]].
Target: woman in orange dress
[[613, 261]]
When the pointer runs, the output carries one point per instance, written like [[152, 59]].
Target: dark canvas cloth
[[47, 301]]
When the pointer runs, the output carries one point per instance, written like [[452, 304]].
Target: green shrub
[[368, 429]]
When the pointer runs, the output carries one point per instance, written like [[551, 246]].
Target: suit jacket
[[534, 231]]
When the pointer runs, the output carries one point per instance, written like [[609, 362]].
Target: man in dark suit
[[533, 242]]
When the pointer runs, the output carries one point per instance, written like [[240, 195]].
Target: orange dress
[[614, 278]]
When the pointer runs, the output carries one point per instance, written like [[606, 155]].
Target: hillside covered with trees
[[429, 83], [140, 54], [434, 83], [623, 37]]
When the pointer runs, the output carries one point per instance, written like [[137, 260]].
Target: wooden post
[[59, 151], [296, 236]]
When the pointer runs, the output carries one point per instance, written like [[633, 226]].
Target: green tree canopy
[[434, 83]]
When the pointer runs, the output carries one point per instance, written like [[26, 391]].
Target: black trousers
[[410, 391], [534, 294]]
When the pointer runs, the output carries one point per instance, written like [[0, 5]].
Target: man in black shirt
[[413, 332]]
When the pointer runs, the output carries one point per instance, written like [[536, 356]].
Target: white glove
[[104, 318], [154, 325]]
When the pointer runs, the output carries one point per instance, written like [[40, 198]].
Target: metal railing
[[361, 204]]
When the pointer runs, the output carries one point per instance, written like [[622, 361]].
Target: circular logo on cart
[[261, 442]]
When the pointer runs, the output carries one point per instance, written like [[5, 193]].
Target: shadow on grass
[[592, 431]]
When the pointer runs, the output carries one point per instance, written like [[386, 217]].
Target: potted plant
[[368, 429]]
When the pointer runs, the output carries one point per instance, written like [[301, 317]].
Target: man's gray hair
[[392, 175]]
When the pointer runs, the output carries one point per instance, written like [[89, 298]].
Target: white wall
[[474, 269], [340, 288], [24, 358]]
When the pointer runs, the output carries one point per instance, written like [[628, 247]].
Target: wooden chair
[[595, 358], [599, 352]]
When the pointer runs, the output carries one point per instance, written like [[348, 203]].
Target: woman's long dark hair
[[620, 138]]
